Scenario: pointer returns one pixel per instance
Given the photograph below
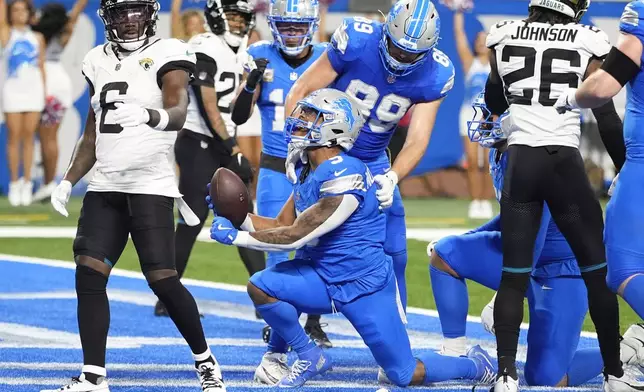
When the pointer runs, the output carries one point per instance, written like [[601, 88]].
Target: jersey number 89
[[391, 109]]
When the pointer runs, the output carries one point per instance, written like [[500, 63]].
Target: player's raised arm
[[249, 90]]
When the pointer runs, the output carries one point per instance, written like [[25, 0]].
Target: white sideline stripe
[[204, 235], [215, 285], [319, 384], [40, 366]]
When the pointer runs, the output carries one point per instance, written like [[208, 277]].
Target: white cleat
[[632, 346], [506, 383], [626, 383], [15, 193], [272, 369], [210, 377], [382, 377], [80, 384], [487, 316], [26, 193]]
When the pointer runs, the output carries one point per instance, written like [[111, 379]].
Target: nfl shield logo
[[118, 66], [391, 79], [294, 76]]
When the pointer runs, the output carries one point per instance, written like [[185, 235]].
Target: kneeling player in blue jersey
[[556, 297], [333, 219]]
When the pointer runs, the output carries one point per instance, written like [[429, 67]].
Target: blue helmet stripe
[[421, 12], [291, 6]]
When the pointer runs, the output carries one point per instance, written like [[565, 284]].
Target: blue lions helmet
[[293, 23], [326, 118], [410, 32], [483, 129]]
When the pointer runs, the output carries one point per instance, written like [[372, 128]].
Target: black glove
[[240, 166], [256, 74]]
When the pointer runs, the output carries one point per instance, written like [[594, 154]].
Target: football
[[229, 196]]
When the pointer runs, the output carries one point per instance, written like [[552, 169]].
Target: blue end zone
[[39, 344]]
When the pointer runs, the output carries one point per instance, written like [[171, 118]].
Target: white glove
[[387, 183], [566, 101], [295, 155], [130, 115], [612, 185], [487, 316], [60, 197]]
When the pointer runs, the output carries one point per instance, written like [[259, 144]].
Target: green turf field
[[214, 262]]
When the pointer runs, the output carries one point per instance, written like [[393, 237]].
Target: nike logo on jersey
[[220, 227], [339, 173], [546, 288]]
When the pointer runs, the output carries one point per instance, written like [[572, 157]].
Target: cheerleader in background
[[476, 66], [23, 92], [187, 24], [56, 26]]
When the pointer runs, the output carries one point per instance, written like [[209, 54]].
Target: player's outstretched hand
[[387, 183], [611, 189], [257, 69], [223, 231], [130, 115], [566, 101], [60, 197], [240, 165]]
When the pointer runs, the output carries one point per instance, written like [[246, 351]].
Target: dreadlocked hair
[[52, 22], [544, 15]]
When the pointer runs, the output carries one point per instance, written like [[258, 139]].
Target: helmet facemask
[[293, 35], [129, 23], [484, 129]]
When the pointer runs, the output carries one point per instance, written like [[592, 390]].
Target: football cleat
[[486, 369], [315, 332], [505, 383], [626, 383], [312, 363], [80, 384], [272, 369], [266, 333], [210, 377], [632, 346]]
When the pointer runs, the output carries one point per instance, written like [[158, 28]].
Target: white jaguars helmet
[[411, 31], [293, 23], [572, 8], [326, 118]]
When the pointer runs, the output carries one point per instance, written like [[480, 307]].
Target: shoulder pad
[[340, 175], [595, 41], [348, 41], [92, 58], [499, 32], [631, 19], [258, 48], [442, 76]]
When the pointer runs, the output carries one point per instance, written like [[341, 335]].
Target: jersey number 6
[[121, 88]]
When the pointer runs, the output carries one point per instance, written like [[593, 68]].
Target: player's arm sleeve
[[205, 71], [280, 240], [494, 93], [244, 101], [178, 56], [343, 46], [611, 131]]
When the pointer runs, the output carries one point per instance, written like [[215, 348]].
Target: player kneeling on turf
[[333, 220]]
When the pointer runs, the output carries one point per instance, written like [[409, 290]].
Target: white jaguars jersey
[[227, 79], [133, 159], [538, 62]]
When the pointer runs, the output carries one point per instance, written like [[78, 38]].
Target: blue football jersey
[[278, 80], [354, 54], [632, 22], [556, 257], [355, 248]]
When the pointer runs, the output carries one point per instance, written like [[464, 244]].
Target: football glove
[[223, 231], [566, 101], [387, 183], [60, 197], [295, 155], [487, 316], [257, 72], [240, 166], [130, 115]]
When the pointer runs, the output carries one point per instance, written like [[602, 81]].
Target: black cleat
[[160, 310], [266, 333], [315, 332]]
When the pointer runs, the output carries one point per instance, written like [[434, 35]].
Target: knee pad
[[622, 266], [164, 287], [258, 281], [89, 281]]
